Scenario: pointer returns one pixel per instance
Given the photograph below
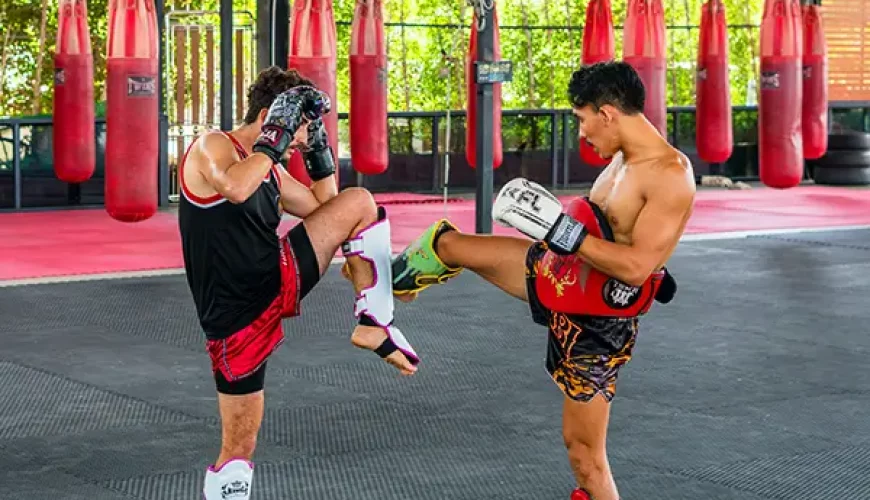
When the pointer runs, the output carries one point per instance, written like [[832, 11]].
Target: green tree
[[20, 42], [421, 58]]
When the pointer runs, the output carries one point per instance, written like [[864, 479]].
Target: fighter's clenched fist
[[287, 113]]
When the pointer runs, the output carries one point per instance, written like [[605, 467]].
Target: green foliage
[[427, 64], [418, 81], [21, 18]]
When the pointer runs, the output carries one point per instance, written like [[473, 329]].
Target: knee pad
[[373, 244], [231, 482]]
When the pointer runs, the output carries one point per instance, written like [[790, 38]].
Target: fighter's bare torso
[[621, 190]]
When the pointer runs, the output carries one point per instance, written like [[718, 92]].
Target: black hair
[[614, 82], [269, 84]]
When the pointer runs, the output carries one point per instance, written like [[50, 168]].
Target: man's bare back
[[621, 190]]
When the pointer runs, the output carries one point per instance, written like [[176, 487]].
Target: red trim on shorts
[[245, 351], [297, 278]]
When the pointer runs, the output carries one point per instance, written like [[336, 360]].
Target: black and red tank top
[[231, 252]]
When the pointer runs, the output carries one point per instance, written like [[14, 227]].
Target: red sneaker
[[580, 494]]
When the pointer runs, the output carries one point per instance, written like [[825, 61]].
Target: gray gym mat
[[752, 386]]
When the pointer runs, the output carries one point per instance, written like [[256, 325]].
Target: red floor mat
[[61, 243]]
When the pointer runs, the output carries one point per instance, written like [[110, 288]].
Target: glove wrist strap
[[320, 164], [273, 142], [566, 235]]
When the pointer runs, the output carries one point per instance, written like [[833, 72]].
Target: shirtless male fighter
[[245, 279], [592, 269]]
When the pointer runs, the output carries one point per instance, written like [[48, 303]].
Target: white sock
[[231, 482]]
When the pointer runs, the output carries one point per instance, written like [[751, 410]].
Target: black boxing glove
[[285, 116], [667, 289], [318, 158]]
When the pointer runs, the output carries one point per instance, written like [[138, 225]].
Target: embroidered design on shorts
[[582, 376]]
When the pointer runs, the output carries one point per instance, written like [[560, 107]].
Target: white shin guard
[[231, 482], [373, 244]]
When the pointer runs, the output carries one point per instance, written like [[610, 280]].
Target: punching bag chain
[[480, 9]]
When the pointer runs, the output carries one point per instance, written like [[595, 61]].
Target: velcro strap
[[319, 164], [362, 305], [352, 247], [566, 234]]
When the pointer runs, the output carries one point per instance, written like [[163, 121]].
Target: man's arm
[[658, 227], [237, 180], [296, 199], [233, 179], [320, 162], [325, 189]]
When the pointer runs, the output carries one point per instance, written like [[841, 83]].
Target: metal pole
[[566, 150], [483, 126], [264, 34], [163, 162], [16, 164], [436, 154], [554, 151], [280, 32], [226, 56], [162, 119]]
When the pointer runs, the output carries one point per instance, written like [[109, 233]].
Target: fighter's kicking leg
[[350, 215], [497, 259], [442, 252]]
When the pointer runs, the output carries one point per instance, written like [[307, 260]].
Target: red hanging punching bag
[[644, 49], [131, 111], [471, 98], [780, 143], [369, 149], [73, 128], [713, 131], [814, 119], [598, 46], [312, 54]]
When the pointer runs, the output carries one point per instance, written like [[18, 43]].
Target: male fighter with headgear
[[592, 269], [245, 279]]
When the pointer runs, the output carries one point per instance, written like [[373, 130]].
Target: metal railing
[[540, 145], [27, 177]]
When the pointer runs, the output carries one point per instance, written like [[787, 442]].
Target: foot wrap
[[374, 305], [418, 266]]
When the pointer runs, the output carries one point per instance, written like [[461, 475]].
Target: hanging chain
[[480, 9]]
